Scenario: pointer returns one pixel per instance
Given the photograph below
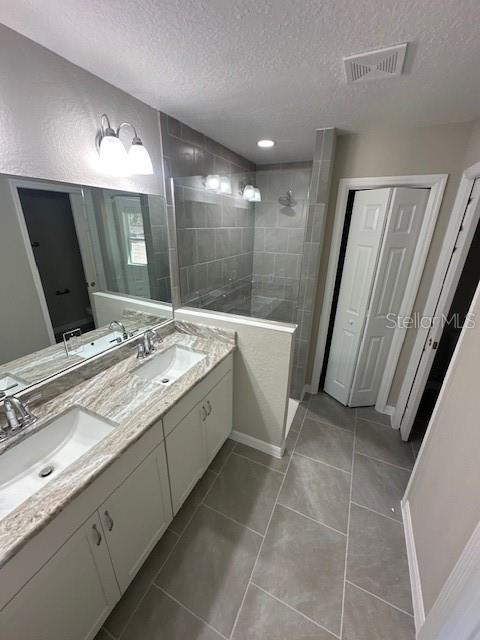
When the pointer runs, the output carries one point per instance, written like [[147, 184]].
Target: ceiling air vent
[[381, 63]]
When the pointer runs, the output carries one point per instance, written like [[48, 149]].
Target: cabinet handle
[[204, 413], [209, 407], [109, 519], [98, 535]]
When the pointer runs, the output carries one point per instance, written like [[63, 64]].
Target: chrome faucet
[[149, 341], [18, 415], [116, 324]]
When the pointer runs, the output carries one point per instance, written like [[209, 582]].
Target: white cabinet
[[193, 442], [70, 596], [135, 516], [186, 456], [218, 419]]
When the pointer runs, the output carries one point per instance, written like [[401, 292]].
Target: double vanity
[[88, 489]]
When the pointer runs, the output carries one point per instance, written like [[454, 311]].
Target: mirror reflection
[[83, 269]]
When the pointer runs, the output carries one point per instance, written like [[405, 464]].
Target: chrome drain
[[46, 471], [165, 380]]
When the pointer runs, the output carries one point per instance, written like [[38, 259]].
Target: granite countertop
[[120, 396]]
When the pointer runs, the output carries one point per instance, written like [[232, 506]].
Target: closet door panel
[[363, 247], [404, 221]]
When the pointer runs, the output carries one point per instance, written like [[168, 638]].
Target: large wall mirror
[[82, 269]]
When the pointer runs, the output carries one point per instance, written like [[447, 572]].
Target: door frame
[[75, 194], [442, 290], [436, 183]]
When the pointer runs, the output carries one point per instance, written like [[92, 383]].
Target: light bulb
[[212, 182], [113, 154], [139, 160], [249, 193], [225, 185]]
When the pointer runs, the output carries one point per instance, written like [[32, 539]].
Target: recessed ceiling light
[[266, 143]]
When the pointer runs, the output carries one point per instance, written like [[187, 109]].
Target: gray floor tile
[[264, 618], [367, 618], [324, 408], [191, 503], [317, 491], [209, 569], [369, 413], [160, 618], [379, 486], [383, 443], [377, 557], [219, 460], [117, 620], [279, 464], [302, 563], [246, 492], [326, 443]]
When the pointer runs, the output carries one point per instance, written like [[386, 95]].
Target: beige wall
[[438, 149], [51, 113], [444, 494]]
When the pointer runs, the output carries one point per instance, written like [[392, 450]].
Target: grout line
[[107, 632], [192, 613], [348, 525], [383, 515], [382, 424], [390, 464], [315, 418], [304, 515], [378, 598], [152, 582], [264, 538], [232, 520], [260, 464], [289, 606], [302, 455]]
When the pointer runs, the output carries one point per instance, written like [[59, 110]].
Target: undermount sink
[[99, 345], [28, 466], [10, 384], [166, 367]]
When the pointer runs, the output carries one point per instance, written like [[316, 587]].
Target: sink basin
[[28, 466], [168, 366], [11, 384], [99, 345]]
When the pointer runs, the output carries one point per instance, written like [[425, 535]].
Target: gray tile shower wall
[[279, 238], [213, 246], [317, 202]]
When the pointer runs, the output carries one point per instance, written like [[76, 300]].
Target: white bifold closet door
[[381, 244]]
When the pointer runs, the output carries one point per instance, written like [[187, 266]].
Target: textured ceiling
[[239, 70]]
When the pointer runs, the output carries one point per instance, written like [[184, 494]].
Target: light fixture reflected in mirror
[[212, 182], [257, 196], [114, 155], [225, 185], [249, 193]]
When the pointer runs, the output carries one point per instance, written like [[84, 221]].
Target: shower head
[[287, 200]]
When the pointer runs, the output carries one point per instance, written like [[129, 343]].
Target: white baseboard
[[417, 598], [255, 443]]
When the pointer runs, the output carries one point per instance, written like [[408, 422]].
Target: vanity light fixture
[[212, 182], [266, 143], [114, 155], [257, 196], [249, 193], [225, 185]]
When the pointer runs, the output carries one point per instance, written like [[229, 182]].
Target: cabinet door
[[70, 596], [218, 423], [136, 514], [186, 456]]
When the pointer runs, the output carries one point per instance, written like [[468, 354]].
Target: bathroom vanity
[[69, 550]]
